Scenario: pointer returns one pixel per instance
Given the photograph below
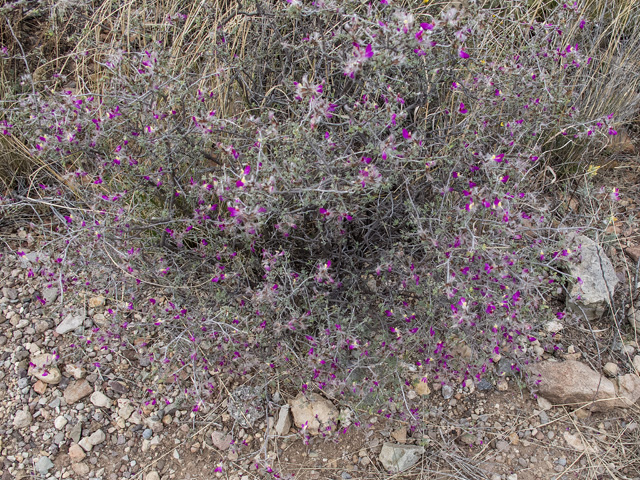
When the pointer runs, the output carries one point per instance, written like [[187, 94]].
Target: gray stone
[[447, 392], [147, 433], [50, 295], [22, 419], [484, 385], [60, 422], [398, 458], [99, 399], [43, 465], [70, 323], [152, 476], [598, 280], [284, 420], [76, 432], [97, 437]]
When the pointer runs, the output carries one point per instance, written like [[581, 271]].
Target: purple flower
[[463, 110], [233, 211], [426, 26], [406, 133], [463, 54], [368, 51]]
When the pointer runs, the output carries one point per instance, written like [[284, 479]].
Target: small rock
[[43, 465], [60, 422], [42, 368], [76, 453], [576, 443], [284, 420], [50, 295], [543, 403], [76, 391], [97, 438], [313, 412], [553, 326], [221, 441], [70, 323], [99, 399], [85, 444], [421, 386], [502, 385], [400, 435], [598, 280], [398, 458], [636, 363], [80, 468], [22, 419], [39, 387], [611, 369], [96, 301], [502, 446], [484, 385], [75, 371], [152, 476], [447, 392], [147, 433]]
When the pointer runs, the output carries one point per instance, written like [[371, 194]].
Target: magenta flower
[[368, 51], [233, 211], [426, 26], [463, 110], [463, 54], [406, 133]]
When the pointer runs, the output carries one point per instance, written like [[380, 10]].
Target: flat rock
[[96, 301], [398, 458], [22, 419], [610, 369], [43, 465], [77, 390], [313, 413], [50, 294], [69, 324], [81, 469], [221, 440], [284, 420], [42, 367], [598, 280], [76, 453], [99, 399], [152, 476], [574, 383], [628, 389], [97, 437]]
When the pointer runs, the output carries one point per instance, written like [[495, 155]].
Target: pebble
[[147, 434], [60, 422], [43, 465], [99, 399], [22, 419]]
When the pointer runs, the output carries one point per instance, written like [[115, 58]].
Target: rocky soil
[[73, 410]]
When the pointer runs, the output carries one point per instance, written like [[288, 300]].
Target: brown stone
[[575, 384], [76, 453], [39, 387], [77, 390]]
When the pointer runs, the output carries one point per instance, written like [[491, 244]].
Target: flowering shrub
[[370, 193]]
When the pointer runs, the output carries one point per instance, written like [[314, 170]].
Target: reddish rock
[[77, 390]]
